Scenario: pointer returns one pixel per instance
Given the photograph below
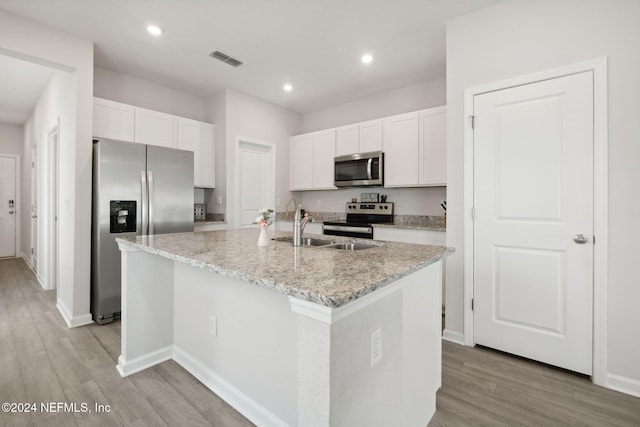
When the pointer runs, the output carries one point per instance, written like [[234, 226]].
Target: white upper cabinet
[[301, 161], [401, 150], [113, 120], [155, 128], [311, 157], [324, 150], [415, 149], [124, 122], [347, 140], [433, 146], [199, 137], [359, 138], [371, 136]]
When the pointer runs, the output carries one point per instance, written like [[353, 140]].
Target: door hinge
[[594, 239], [33, 165], [472, 304], [473, 213], [472, 119], [31, 251]]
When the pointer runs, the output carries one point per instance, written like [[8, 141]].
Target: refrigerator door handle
[[150, 180], [144, 202]]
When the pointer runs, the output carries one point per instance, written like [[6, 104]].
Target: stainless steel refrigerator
[[137, 190]]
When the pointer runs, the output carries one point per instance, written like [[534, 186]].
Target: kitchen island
[[310, 336]]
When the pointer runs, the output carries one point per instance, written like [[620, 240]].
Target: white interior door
[[257, 180], [533, 228], [8, 206]]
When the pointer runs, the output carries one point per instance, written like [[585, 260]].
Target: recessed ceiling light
[[287, 87], [155, 30], [366, 58]]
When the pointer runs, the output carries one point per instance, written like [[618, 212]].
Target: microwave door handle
[[369, 163]]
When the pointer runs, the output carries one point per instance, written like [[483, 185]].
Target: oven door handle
[[359, 230], [369, 163]]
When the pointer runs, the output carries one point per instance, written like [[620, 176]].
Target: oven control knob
[[386, 207]]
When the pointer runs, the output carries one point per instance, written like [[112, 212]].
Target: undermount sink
[[307, 241], [350, 246]]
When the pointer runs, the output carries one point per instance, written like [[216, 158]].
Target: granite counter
[[318, 274]]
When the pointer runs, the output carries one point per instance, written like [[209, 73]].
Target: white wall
[[11, 139], [140, 92], [25, 39], [411, 98], [522, 37], [408, 201], [253, 118], [216, 112]]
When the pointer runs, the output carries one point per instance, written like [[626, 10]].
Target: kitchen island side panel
[[253, 349]]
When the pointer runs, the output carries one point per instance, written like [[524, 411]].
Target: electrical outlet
[[375, 344], [318, 203], [213, 325], [219, 200]]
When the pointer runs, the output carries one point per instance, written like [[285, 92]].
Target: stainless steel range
[[360, 217]]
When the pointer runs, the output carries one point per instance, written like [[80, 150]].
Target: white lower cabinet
[[404, 235], [208, 227]]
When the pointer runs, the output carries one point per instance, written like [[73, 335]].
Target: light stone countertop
[[321, 275]]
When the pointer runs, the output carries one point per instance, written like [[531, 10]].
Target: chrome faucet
[[298, 226]]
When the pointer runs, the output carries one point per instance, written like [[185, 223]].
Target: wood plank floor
[[41, 360]]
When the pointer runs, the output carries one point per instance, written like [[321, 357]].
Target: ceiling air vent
[[225, 58]]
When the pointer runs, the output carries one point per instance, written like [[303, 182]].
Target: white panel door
[[533, 198], [256, 181], [8, 207]]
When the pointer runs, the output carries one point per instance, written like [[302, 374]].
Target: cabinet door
[[401, 136], [371, 136], [347, 140], [113, 120], [301, 162], [433, 146], [324, 150], [155, 128], [199, 137]]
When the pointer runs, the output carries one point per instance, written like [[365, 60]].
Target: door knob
[[580, 239], [11, 212]]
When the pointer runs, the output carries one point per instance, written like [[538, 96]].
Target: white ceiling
[[314, 45]]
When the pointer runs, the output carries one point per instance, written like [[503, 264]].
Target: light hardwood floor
[[41, 360]]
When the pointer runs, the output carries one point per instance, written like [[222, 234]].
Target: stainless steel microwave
[[359, 170]]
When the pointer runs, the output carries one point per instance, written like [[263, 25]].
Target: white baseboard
[[455, 337], [128, 367], [252, 410], [71, 321], [623, 384]]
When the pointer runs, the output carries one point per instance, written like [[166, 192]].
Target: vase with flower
[[265, 217]]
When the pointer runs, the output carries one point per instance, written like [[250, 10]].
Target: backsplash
[[409, 221]]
